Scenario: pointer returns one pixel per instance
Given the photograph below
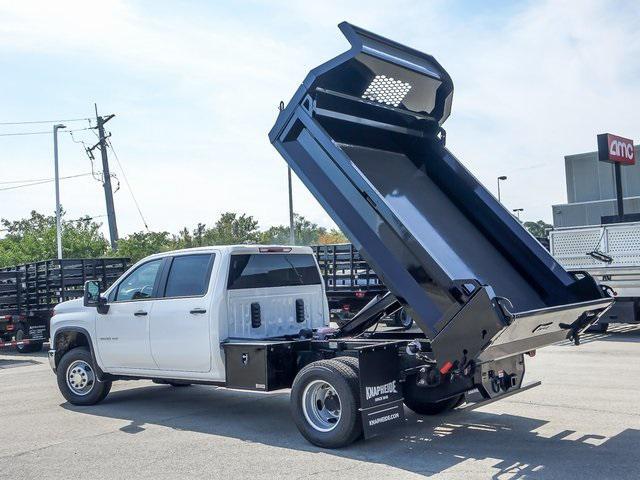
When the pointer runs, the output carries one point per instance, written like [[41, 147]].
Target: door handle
[[140, 313], [198, 310]]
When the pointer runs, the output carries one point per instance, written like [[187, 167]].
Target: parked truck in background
[[363, 133], [30, 291], [351, 283], [611, 255]]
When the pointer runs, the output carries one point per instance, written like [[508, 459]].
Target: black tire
[[344, 381], [353, 363], [22, 333], [96, 390], [414, 400]]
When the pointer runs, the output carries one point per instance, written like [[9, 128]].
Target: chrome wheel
[[321, 405], [80, 377]]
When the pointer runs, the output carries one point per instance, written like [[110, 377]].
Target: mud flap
[[381, 400]]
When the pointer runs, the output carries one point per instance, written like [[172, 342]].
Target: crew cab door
[[180, 333], [123, 332]]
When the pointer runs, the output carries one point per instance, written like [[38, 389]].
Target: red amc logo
[[615, 149]]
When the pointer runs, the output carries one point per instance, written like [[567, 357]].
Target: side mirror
[[91, 293], [92, 296]]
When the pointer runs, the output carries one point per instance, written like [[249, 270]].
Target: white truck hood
[[75, 305]]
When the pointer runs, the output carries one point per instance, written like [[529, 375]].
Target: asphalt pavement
[[582, 422]]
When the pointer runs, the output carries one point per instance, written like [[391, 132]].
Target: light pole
[[501, 177], [292, 233], [57, 182], [517, 211]]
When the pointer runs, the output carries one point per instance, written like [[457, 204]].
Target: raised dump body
[[364, 134]]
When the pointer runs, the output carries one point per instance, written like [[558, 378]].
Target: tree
[[34, 238], [230, 229], [306, 232], [332, 236], [141, 244], [539, 229]]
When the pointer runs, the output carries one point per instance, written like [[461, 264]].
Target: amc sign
[[614, 149]]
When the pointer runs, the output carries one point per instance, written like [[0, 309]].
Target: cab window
[[272, 270], [139, 284], [189, 275]]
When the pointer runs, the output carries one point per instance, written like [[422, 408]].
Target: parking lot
[[583, 422]]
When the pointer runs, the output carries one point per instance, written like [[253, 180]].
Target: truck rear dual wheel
[[325, 401], [77, 378], [414, 399]]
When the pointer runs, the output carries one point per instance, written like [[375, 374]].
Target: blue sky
[[195, 87]]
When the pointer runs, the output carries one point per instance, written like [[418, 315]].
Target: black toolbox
[[260, 365]]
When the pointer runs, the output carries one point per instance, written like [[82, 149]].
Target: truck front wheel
[[325, 402], [77, 378], [414, 399]]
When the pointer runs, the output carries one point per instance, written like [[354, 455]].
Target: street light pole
[[517, 211], [292, 232], [57, 182], [501, 177]]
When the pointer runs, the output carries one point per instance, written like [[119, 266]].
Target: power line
[[124, 175], [8, 182], [47, 121], [48, 132], [41, 182], [89, 153]]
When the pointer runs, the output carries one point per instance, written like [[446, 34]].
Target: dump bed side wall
[[305, 146]]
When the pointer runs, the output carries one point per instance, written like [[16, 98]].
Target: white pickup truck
[[167, 315], [244, 317]]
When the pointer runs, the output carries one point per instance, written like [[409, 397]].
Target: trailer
[[29, 292], [351, 283], [611, 255]]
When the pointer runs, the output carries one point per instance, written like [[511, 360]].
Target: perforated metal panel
[[387, 90], [621, 242], [570, 247]]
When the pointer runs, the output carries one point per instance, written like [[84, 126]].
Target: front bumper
[[52, 360]]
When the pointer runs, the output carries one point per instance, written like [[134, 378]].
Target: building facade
[[591, 191]]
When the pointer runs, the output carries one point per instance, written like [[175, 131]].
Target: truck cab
[[168, 315]]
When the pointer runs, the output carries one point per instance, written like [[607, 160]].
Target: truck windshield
[[272, 270]]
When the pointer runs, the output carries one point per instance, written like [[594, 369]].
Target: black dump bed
[[363, 133]]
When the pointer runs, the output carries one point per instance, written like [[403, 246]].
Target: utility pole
[[57, 182], [106, 176]]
